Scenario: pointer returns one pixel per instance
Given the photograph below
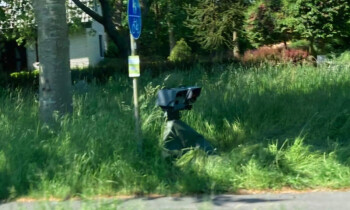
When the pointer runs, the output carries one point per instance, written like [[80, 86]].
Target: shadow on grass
[[322, 116]]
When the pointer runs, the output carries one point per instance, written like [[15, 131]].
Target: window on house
[[102, 53]]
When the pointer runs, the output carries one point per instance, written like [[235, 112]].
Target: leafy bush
[[300, 44], [152, 65], [262, 25], [99, 74], [112, 51], [344, 57], [181, 52], [294, 55], [3, 79], [263, 54], [102, 72], [24, 79]]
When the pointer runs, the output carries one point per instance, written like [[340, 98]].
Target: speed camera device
[[178, 136], [176, 99]]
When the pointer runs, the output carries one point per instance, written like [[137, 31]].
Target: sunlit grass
[[273, 127]]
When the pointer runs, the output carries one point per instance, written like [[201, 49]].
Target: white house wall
[[78, 51], [84, 47]]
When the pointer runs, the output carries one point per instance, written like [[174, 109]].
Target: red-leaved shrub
[[294, 55], [263, 54], [274, 55]]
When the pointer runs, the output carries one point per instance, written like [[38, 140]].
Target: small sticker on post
[[134, 66]]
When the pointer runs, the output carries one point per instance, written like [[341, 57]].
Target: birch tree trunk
[[171, 36], [55, 92], [170, 27], [235, 48]]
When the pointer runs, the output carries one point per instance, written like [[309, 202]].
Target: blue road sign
[[134, 17]]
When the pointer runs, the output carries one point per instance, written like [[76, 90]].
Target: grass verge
[[274, 127]]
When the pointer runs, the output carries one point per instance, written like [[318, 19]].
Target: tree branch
[[107, 22], [89, 11], [111, 30]]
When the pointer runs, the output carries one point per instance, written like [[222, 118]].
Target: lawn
[[273, 127]]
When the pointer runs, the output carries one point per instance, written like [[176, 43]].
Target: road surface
[[284, 201]]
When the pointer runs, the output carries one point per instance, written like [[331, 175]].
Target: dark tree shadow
[[321, 116]]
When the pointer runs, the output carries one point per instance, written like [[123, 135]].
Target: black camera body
[[178, 137], [176, 99]]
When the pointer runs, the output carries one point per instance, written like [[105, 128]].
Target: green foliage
[[300, 44], [2, 14], [24, 74], [275, 5], [3, 79], [343, 59], [24, 79], [262, 23], [164, 22], [319, 21], [208, 25], [18, 21], [324, 24], [213, 22], [274, 127], [100, 74], [112, 50], [181, 52]]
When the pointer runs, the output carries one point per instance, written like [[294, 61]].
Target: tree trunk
[[115, 35], [285, 44], [170, 27], [118, 15], [312, 47], [55, 91], [235, 48], [171, 36], [145, 7], [158, 19]]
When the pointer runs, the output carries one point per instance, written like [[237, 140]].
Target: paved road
[[309, 201]]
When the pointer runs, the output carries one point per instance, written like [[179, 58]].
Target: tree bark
[[312, 47], [145, 7], [118, 15], [235, 47], [55, 92], [157, 17], [170, 28], [171, 36]]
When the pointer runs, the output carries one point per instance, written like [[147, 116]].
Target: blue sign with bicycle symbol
[[134, 18]]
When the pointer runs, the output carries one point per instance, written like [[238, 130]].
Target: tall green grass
[[273, 127]]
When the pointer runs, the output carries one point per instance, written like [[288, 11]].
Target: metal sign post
[[134, 18]]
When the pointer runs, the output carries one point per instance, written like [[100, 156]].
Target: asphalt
[[284, 201]]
